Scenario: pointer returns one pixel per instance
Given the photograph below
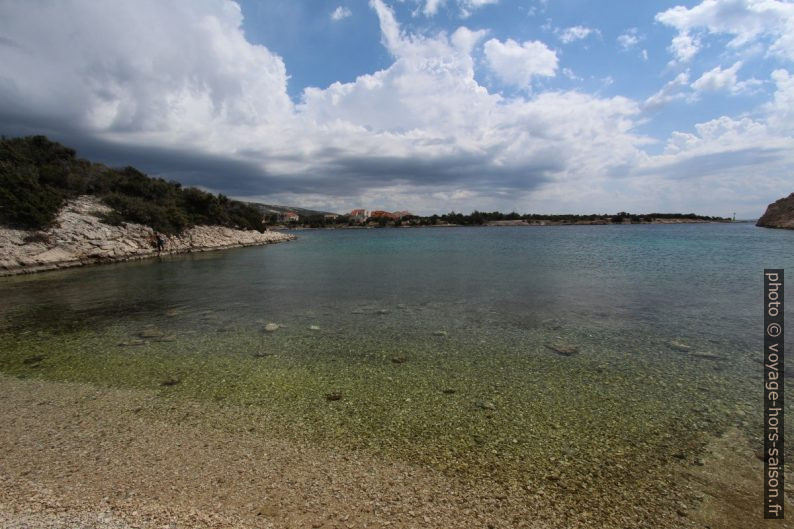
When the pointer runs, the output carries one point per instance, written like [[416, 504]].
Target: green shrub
[[37, 176], [24, 201]]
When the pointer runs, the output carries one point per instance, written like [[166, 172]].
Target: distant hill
[[273, 209], [38, 176], [779, 214]]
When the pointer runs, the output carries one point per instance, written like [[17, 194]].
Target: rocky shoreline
[[78, 237]]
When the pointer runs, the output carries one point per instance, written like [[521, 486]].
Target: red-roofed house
[[359, 215], [288, 216]]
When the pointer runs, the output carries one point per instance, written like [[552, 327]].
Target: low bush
[[37, 176]]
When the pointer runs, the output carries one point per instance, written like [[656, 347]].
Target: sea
[[518, 355]]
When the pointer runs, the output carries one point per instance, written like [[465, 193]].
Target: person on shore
[[159, 241]]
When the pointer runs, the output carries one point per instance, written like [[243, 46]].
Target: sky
[[535, 106]]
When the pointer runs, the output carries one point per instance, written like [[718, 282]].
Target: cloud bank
[[177, 86]]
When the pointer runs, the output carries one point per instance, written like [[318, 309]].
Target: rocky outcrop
[[79, 237], [779, 214]]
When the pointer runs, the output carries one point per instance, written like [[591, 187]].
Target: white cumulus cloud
[[465, 7], [177, 86], [780, 110], [575, 33], [684, 46], [181, 70], [746, 21], [340, 13], [718, 80], [629, 39], [518, 63], [672, 91], [431, 7]]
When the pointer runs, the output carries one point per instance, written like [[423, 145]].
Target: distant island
[[779, 214], [364, 218]]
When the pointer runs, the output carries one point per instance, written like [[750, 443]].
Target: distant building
[[396, 215], [288, 216], [330, 217], [359, 215], [377, 214]]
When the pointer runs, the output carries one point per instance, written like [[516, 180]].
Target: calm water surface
[[443, 344], [698, 282]]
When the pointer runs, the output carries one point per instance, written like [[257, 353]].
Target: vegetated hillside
[[37, 177], [481, 217], [270, 209]]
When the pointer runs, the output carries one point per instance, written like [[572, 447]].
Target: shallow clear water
[[690, 281], [440, 342]]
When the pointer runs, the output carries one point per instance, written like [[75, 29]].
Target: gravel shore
[[78, 456]]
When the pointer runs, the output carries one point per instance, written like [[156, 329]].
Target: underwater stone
[[486, 405], [563, 349], [151, 333]]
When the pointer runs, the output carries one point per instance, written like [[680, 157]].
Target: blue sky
[[596, 59], [427, 105]]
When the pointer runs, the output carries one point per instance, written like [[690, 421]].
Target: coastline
[[78, 237], [514, 223]]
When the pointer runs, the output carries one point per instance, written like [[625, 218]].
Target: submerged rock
[[35, 359], [151, 333], [707, 356], [170, 381], [334, 395], [314, 327], [440, 333], [271, 327], [563, 349], [486, 405], [678, 346], [132, 343], [554, 476], [399, 359]]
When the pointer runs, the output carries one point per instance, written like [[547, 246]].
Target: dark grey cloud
[[11, 43], [191, 168], [333, 172], [345, 174]]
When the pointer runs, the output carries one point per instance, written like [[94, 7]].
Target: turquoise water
[[601, 355], [699, 282]]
